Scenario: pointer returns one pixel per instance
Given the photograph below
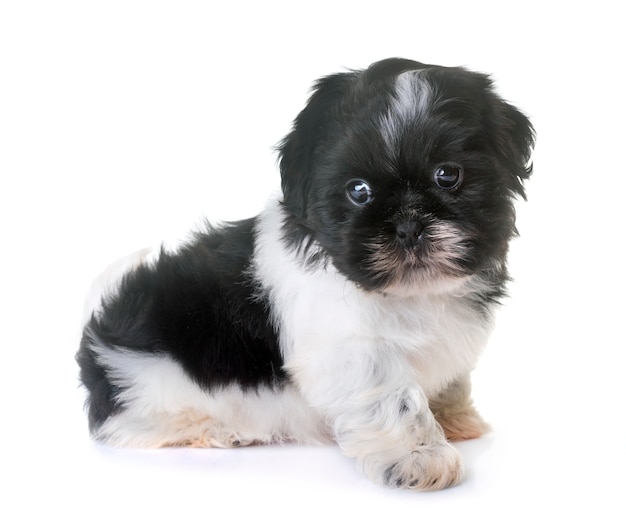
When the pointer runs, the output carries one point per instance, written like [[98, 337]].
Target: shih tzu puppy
[[352, 309]]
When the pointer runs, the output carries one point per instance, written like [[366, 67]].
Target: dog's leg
[[398, 443], [383, 421], [455, 412]]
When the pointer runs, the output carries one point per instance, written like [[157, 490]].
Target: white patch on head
[[411, 99]]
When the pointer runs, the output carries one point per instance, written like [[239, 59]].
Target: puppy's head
[[404, 174]]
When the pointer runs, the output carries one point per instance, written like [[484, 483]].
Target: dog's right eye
[[359, 192], [448, 176]]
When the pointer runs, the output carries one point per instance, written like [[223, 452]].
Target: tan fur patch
[[461, 426], [454, 411]]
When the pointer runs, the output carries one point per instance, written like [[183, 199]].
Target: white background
[[123, 123]]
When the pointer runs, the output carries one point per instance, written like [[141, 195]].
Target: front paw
[[428, 467]]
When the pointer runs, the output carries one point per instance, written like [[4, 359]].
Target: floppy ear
[[300, 149], [516, 140]]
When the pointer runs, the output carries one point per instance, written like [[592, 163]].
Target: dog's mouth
[[441, 251]]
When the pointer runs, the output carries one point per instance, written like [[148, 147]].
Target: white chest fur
[[330, 329]]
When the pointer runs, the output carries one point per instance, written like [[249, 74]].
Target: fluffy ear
[[516, 140], [300, 149]]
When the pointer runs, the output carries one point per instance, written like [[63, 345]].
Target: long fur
[[319, 320]]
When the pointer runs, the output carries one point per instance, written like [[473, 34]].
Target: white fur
[[357, 357], [362, 368], [164, 407], [412, 98], [106, 283], [323, 314]]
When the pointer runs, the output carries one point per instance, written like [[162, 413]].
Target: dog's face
[[404, 174]]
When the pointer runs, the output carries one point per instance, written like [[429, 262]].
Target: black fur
[[337, 137], [201, 305], [198, 306]]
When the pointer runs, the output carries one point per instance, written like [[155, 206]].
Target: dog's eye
[[449, 176], [359, 192]]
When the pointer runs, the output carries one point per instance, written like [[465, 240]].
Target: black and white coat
[[254, 332]]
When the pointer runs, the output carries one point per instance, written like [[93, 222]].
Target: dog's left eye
[[359, 192], [448, 176]]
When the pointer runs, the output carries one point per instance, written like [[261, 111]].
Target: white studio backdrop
[[125, 123]]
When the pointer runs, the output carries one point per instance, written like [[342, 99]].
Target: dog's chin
[[438, 263], [415, 279]]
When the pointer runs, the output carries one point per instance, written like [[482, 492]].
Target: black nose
[[408, 232]]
